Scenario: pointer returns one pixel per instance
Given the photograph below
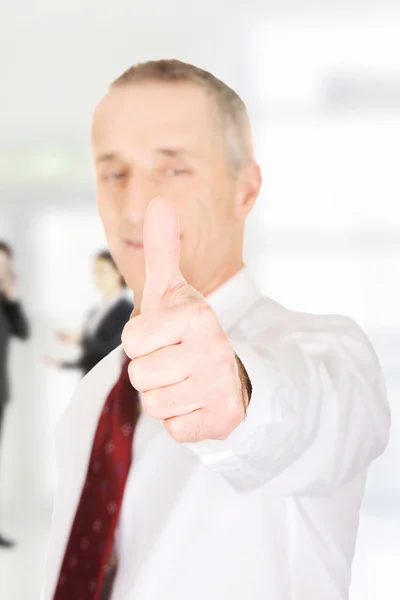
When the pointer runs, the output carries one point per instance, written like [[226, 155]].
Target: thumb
[[161, 251]]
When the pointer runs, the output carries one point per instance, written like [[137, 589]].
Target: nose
[[139, 193]]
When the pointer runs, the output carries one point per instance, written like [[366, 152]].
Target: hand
[[52, 361], [182, 361], [69, 338]]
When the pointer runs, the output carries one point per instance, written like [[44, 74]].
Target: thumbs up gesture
[[182, 361]]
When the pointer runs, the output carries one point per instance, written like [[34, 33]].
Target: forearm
[[100, 348], [318, 416], [73, 364]]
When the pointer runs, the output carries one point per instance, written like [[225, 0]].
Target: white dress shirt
[[271, 513]]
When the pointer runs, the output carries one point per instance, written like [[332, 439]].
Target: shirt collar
[[234, 298]]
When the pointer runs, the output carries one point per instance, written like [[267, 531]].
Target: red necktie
[[91, 538]]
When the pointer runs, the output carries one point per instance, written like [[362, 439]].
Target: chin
[[132, 268]]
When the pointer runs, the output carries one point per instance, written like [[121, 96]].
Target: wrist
[[245, 383]]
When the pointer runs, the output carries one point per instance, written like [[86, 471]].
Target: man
[[12, 323], [257, 423]]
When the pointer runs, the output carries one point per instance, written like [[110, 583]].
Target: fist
[[181, 360]]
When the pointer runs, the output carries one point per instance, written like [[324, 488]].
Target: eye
[[174, 171], [114, 176]]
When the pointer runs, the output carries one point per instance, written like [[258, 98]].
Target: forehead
[[156, 115]]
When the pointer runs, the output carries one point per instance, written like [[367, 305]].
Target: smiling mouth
[[134, 245], [139, 245]]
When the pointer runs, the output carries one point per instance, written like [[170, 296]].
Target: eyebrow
[[173, 152], [170, 152], [107, 157]]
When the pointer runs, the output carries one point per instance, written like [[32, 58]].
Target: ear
[[247, 190]]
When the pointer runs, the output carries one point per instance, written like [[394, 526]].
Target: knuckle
[[126, 339], [147, 326], [224, 351], [130, 339], [235, 416], [231, 420], [177, 431], [158, 404], [205, 316], [150, 404], [135, 334], [132, 374], [186, 429], [137, 375]]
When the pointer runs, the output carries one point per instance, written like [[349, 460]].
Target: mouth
[[138, 245], [134, 245]]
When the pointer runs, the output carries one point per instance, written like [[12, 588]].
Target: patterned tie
[[91, 541]]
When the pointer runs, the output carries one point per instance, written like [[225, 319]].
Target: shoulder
[[125, 302], [272, 331], [270, 321], [123, 306]]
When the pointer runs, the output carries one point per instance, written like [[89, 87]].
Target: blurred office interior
[[322, 84]]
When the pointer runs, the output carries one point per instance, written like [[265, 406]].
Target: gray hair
[[232, 112]]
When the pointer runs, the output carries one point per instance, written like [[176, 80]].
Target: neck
[[226, 272], [111, 292]]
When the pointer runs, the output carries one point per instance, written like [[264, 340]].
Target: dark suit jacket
[[105, 338], [12, 323]]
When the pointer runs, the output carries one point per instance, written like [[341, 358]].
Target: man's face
[[5, 268], [161, 139]]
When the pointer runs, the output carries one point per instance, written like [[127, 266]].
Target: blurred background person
[[12, 323], [105, 322]]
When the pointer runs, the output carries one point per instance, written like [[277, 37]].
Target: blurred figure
[[12, 323], [103, 328]]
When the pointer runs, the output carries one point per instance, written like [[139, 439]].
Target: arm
[[99, 347], [73, 364], [93, 347], [318, 414], [16, 318]]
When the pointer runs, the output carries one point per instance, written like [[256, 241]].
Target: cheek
[[193, 220], [130, 263], [205, 213], [133, 270], [106, 206], [109, 218], [200, 228]]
